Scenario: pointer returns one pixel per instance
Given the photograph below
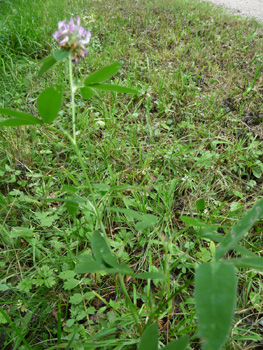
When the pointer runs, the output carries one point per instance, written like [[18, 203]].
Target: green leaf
[[128, 212], [76, 299], [15, 328], [212, 234], [46, 219], [47, 63], [86, 92], [240, 229], [102, 187], [120, 268], [179, 344], [21, 118], [72, 206], [103, 74], [49, 103], [101, 250], [24, 232], [149, 338], [145, 220], [200, 204], [104, 256], [87, 264], [3, 287], [251, 263], [243, 251], [70, 188], [71, 284], [151, 275], [71, 341], [60, 55], [193, 222], [215, 294], [66, 275], [114, 88]]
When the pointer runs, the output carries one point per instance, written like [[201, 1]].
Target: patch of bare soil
[[247, 8]]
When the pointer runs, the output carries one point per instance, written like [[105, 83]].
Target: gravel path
[[248, 8]]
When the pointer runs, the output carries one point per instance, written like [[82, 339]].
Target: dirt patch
[[247, 8]]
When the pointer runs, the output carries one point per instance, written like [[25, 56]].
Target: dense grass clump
[[190, 144]]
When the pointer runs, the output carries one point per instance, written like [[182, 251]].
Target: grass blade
[[14, 327], [239, 230], [151, 275], [70, 342]]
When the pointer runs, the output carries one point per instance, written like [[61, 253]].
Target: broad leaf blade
[[120, 268], [21, 118], [239, 230], [86, 92], [103, 74], [47, 63], [114, 88], [215, 292], [147, 220], [101, 250], [212, 234], [72, 206], [251, 263], [104, 256], [49, 103], [130, 213], [149, 338], [87, 264], [179, 344], [200, 204], [60, 55], [193, 222]]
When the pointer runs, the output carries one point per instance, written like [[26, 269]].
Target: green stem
[[83, 167], [73, 141], [131, 305], [72, 89], [160, 308], [167, 273]]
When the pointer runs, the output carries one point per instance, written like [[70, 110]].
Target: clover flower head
[[72, 37]]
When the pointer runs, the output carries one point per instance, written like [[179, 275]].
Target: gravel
[[247, 8]]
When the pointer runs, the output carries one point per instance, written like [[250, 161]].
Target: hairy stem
[[72, 89]]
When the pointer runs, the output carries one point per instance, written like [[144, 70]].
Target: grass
[[194, 133]]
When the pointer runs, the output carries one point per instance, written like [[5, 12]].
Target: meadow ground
[[189, 145]]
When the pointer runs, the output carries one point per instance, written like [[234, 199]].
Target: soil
[[247, 8]]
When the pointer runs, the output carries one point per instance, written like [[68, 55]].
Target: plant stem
[[83, 167], [72, 89], [131, 305], [73, 141]]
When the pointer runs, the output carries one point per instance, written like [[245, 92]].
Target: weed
[[193, 134]]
